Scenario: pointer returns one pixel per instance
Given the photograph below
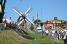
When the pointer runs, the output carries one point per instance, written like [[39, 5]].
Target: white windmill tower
[[22, 20]]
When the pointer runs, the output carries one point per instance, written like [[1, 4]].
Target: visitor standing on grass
[[65, 36], [47, 31], [53, 33]]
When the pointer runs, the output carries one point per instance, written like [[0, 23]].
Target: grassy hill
[[11, 37]]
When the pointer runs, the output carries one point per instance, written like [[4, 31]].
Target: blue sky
[[47, 9]]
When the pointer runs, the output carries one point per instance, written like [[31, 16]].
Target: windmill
[[22, 20], [37, 20]]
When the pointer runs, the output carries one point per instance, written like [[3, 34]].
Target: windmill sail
[[28, 11], [20, 22], [17, 12]]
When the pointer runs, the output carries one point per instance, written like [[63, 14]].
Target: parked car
[[39, 29]]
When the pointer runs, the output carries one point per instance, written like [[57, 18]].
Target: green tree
[[37, 21], [65, 22]]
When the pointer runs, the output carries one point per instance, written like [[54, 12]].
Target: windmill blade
[[20, 18], [28, 11], [29, 21], [21, 22], [17, 12], [21, 12]]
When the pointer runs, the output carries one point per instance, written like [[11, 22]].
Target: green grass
[[39, 39], [11, 37], [42, 39]]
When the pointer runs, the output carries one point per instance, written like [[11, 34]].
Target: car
[[39, 29]]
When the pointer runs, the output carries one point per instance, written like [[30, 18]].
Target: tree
[[2, 8], [37, 22], [65, 22]]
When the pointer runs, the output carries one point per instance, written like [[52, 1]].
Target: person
[[53, 33], [2, 8], [46, 31], [65, 36]]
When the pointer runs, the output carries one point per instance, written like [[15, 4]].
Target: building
[[54, 24]]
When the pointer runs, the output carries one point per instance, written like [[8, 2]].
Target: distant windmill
[[37, 20], [22, 17]]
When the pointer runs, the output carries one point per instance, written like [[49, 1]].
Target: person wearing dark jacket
[[2, 8]]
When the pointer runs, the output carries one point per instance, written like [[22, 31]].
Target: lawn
[[42, 39], [11, 37], [39, 39]]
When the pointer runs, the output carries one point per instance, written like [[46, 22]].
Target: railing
[[2, 26]]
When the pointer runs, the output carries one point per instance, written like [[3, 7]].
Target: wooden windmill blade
[[19, 19], [21, 22], [28, 24], [29, 21], [29, 9], [17, 11]]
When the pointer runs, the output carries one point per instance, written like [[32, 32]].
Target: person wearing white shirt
[[47, 32], [65, 36]]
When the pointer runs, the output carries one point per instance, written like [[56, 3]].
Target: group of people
[[65, 36], [57, 34]]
